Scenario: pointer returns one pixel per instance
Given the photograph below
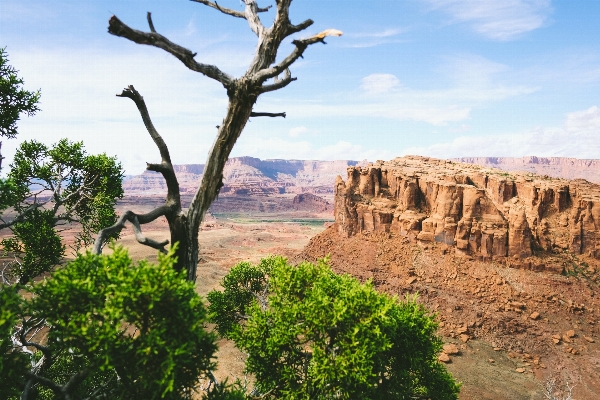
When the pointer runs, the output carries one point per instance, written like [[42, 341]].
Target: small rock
[[556, 341], [462, 329], [570, 333], [589, 339], [534, 315], [410, 280], [491, 360], [566, 339], [497, 349], [443, 357], [450, 348], [574, 352], [464, 338], [520, 370]]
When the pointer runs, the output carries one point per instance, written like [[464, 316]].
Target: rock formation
[[244, 176], [308, 201], [557, 167], [481, 212]]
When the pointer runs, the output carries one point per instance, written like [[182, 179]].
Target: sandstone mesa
[[481, 212]]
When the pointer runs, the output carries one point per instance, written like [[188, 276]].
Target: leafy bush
[[109, 318], [312, 334]]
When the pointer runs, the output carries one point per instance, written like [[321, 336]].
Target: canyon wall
[[557, 167], [481, 212], [250, 176]]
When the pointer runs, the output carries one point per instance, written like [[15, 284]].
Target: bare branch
[[134, 95], [118, 28], [301, 45], [150, 23], [251, 13], [147, 241], [166, 167], [135, 220], [224, 10], [300, 27], [267, 114], [278, 84]]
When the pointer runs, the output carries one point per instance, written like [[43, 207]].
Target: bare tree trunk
[[242, 93]]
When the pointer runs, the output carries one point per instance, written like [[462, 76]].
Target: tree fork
[[243, 93]]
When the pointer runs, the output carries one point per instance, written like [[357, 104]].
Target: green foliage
[[87, 186], [228, 308], [14, 100], [224, 391], [13, 364], [51, 186], [10, 193], [36, 243], [144, 322], [312, 334]]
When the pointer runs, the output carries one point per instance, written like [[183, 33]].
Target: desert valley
[[509, 261]]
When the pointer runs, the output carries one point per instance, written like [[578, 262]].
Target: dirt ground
[[484, 308], [512, 328], [515, 329]]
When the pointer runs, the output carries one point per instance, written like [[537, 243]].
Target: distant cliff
[[481, 212], [557, 167], [251, 176]]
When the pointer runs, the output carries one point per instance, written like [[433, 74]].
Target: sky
[[441, 78]]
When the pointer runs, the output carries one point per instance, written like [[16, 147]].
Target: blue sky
[[445, 78]]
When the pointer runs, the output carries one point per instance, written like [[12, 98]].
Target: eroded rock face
[[249, 176], [481, 212]]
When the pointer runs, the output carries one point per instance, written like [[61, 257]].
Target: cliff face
[[482, 212], [250, 176], [557, 167]]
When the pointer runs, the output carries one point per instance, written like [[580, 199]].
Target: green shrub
[[312, 334]]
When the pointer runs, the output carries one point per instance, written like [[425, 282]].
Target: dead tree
[[261, 77]]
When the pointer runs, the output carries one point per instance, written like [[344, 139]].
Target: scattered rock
[[443, 357], [450, 348], [589, 339], [520, 370], [534, 315]]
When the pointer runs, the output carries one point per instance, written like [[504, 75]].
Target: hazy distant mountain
[[557, 167], [251, 176]]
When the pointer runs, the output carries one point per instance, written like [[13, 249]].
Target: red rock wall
[[481, 212]]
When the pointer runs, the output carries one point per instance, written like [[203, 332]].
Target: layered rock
[[482, 212], [250, 176], [557, 167], [309, 201]]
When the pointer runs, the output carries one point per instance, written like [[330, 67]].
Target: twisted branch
[[118, 28], [301, 46], [135, 221]]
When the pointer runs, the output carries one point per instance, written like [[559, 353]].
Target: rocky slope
[[509, 262], [480, 212], [250, 176], [557, 167]]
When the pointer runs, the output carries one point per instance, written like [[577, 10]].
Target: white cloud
[[303, 150], [372, 39], [579, 138], [497, 19], [380, 34], [584, 120], [297, 131], [379, 83]]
